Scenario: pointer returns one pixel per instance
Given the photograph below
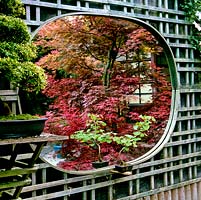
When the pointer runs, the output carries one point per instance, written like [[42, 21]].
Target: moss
[[19, 117]]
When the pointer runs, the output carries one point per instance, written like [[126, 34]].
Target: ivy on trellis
[[193, 13]]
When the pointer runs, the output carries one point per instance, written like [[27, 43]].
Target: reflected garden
[[109, 87]]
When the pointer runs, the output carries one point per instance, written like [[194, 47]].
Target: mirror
[[110, 88]]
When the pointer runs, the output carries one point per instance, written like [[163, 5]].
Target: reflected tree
[[105, 66]]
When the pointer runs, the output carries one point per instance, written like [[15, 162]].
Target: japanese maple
[[93, 66]]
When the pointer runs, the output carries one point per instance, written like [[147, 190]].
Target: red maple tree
[[94, 63]]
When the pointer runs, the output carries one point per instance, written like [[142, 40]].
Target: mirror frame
[[174, 83]]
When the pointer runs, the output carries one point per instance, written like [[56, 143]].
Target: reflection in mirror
[[109, 88]]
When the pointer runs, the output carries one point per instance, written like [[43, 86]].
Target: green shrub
[[25, 75], [13, 30], [12, 8], [20, 52]]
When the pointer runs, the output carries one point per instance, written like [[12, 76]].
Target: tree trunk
[[112, 54]]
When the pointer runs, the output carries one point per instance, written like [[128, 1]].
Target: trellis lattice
[[174, 172]]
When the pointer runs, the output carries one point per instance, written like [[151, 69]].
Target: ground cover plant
[[109, 68]]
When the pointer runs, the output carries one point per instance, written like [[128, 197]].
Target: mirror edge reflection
[[174, 83]]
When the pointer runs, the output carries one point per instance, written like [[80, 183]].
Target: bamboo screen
[[174, 172]]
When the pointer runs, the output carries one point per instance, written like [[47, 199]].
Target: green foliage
[[12, 7], [13, 30], [94, 134], [20, 52], [19, 117], [127, 141], [92, 138], [191, 8], [25, 75], [140, 128], [16, 50]]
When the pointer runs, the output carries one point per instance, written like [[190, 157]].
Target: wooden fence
[[174, 173]]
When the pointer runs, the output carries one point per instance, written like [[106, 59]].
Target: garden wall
[[175, 171]]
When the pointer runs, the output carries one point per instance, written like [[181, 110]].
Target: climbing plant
[[193, 13]]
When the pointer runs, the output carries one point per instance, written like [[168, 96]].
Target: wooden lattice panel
[[174, 172]]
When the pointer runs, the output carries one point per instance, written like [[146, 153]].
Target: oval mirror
[[111, 88]]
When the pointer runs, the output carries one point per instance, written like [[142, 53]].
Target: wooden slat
[[43, 137], [15, 172], [182, 152], [12, 96], [8, 92], [13, 183]]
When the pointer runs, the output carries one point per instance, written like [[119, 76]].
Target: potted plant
[[94, 135], [129, 141], [21, 125], [17, 70]]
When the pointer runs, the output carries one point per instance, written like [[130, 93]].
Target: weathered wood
[[15, 172], [12, 96], [42, 138], [177, 165], [12, 177], [13, 183]]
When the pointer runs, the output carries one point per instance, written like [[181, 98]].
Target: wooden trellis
[[175, 171]]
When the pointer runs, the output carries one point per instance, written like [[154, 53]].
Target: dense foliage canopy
[[17, 53], [12, 8]]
